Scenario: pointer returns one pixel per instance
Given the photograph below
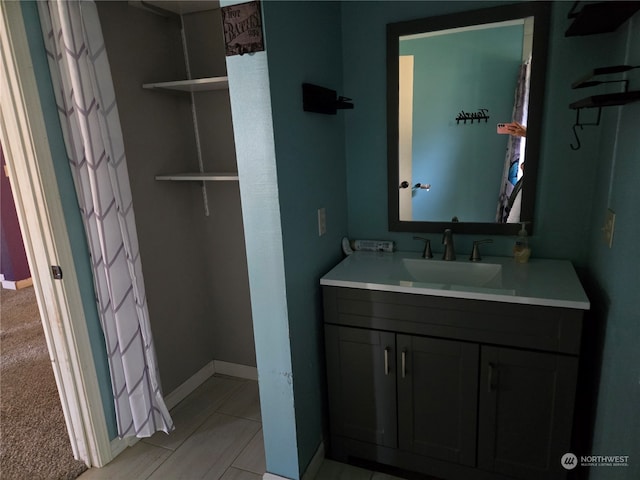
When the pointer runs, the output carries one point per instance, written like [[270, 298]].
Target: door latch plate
[[56, 270]]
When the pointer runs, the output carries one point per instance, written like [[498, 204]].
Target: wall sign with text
[[242, 26], [481, 114]]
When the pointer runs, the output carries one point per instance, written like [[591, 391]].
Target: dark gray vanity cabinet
[[382, 385], [455, 388], [363, 386], [525, 410], [437, 398]]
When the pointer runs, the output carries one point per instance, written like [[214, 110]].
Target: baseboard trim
[[17, 285], [312, 469], [193, 382], [235, 370], [271, 476], [118, 445], [202, 375], [314, 465]]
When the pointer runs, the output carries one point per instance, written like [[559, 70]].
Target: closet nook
[[168, 66]]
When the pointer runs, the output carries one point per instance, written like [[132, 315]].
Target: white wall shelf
[[195, 85], [199, 177], [177, 7]]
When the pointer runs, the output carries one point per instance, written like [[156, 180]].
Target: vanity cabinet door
[[438, 397], [526, 412], [361, 374]]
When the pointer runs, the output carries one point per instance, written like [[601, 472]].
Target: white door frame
[[35, 190]]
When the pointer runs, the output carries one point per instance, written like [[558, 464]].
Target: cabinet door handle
[[386, 360], [404, 363], [491, 385]]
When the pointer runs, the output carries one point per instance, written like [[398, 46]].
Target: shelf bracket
[[581, 125], [194, 115]]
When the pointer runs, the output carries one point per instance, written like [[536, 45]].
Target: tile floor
[[218, 436], [331, 470]]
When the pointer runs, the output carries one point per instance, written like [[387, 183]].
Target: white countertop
[[543, 282]]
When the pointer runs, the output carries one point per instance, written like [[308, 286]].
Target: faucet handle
[[475, 251], [427, 247]]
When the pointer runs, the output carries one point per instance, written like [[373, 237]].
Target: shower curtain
[[86, 102], [513, 173]]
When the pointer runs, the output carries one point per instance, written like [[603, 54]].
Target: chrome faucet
[[447, 241]]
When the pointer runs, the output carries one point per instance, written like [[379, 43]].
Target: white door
[[37, 199]]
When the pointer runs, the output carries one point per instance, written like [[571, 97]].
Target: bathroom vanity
[[460, 370]]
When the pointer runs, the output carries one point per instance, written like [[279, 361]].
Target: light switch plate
[[322, 221], [608, 228]]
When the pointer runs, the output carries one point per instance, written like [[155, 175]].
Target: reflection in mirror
[[442, 144], [453, 82]]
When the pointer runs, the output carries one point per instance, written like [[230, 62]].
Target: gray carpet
[[34, 443]]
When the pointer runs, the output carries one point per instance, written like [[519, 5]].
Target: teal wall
[[574, 190], [311, 175], [566, 177], [255, 154], [71, 209], [459, 71], [280, 216], [364, 66], [615, 270]]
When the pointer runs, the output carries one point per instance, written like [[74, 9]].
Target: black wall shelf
[[587, 81], [607, 100], [323, 100], [602, 17]]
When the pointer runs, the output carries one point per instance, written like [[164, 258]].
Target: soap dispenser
[[521, 250]]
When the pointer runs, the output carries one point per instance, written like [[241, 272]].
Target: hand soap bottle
[[521, 250]]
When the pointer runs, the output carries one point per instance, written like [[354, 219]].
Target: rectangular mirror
[[450, 81]]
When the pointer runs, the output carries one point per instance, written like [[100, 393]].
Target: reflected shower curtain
[[89, 116], [513, 173]]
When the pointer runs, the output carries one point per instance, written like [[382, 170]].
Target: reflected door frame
[[405, 135]]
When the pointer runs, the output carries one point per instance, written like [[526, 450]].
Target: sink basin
[[497, 279], [453, 273]]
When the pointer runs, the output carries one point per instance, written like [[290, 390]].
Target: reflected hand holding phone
[[513, 128]]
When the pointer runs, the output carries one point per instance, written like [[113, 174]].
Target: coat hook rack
[[323, 100], [481, 114]]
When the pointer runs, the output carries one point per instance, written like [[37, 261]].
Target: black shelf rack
[[607, 100], [601, 100], [602, 17]]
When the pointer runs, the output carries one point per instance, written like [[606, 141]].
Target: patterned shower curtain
[[89, 116], [513, 172]]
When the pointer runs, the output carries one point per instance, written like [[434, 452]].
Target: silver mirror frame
[[540, 10]]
